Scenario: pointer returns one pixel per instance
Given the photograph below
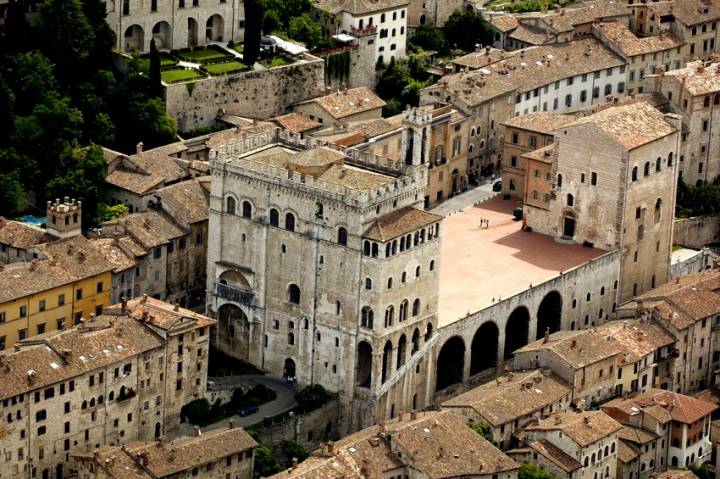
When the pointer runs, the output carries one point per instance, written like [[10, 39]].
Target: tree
[[7, 118], [292, 450], [531, 471], [109, 213], [311, 397], [152, 126], [465, 29], [429, 37], [81, 175], [483, 428], [308, 31], [66, 36], [155, 78], [12, 193], [17, 29], [265, 464], [253, 24], [271, 22]]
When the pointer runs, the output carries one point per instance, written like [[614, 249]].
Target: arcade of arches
[[484, 352], [234, 331]]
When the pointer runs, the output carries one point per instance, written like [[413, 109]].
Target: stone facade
[[281, 269], [174, 24], [697, 231], [256, 94], [116, 378], [614, 194]]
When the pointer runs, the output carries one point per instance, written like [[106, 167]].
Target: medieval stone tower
[[64, 218]]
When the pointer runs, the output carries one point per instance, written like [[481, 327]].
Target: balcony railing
[[231, 293]]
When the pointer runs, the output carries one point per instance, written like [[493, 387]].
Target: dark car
[[247, 410], [497, 186]]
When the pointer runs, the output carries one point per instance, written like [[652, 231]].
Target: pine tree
[[155, 77]]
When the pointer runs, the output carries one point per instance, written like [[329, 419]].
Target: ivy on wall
[[337, 67]]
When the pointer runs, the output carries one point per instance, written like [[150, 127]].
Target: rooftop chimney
[[139, 148]]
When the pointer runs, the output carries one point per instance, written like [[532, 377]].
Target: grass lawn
[[173, 76], [200, 55], [240, 47], [278, 62], [225, 68], [167, 59]]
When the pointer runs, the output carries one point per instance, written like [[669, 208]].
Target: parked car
[[247, 410], [497, 186]]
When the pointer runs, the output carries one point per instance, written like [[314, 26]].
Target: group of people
[[484, 223]]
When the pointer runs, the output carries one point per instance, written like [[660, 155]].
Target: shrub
[[311, 397]]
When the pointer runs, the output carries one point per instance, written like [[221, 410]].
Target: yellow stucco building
[[68, 281]]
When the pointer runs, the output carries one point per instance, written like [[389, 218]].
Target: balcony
[[235, 294]]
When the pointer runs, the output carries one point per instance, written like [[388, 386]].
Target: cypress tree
[[155, 81]]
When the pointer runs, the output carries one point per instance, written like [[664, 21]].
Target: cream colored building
[[120, 376]]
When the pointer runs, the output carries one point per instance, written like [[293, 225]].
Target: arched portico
[[450, 363]]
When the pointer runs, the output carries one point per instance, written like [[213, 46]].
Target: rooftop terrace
[[481, 266]]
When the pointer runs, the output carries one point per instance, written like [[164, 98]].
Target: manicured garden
[[204, 54], [180, 74], [225, 68]]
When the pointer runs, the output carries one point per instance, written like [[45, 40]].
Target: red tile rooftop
[[480, 266]]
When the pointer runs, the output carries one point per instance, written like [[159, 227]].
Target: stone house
[[614, 187], [601, 362], [638, 453], [217, 454], [17, 238], [124, 266], [582, 445], [694, 22], [509, 403], [553, 78], [117, 377], [693, 93], [524, 134], [682, 424], [428, 444], [332, 278], [688, 308], [643, 55], [344, 105]]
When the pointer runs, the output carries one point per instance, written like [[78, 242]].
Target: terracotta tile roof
[[631, 125], [296, 122], [546, 154], [508, 398], [627, 452], [684, 301], [100, 342], [349, 102], [584, 428], [114, 254], [357, 7], [629, 340], [355, 178], [149, 228], [399, 222], [188, 202], [21, 235], [636, 435], [142, 172], [697, 78], [481, 58], [541, 122], [687, 12], [504, 23], [664, 406], [62, 262], [569, 18], [677, 474], [162, 315], [531, 35], [620, 36], [253, 127], [556, 455], [132, 246], [438, 444], [526, 70], [190, 452]]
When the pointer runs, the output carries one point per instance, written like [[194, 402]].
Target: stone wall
[[697, 231], [309, 430], [257, 94]]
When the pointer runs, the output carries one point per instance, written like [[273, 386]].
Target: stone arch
[[386, 361], [549, 315], [401, 349], [162, 34], [214, 28], [363, 365], [450, 363], [134, 38], [192, 32], [235, 278], [233, 331], [516, 330], [289, 368], [483, 350]]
